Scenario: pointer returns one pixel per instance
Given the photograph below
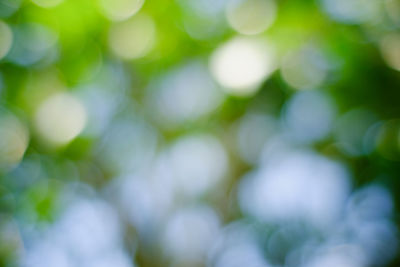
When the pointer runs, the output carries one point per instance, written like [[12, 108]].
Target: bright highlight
[[60, 118], [241, 65]]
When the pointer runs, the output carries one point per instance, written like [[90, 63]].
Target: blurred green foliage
[[67, 48]]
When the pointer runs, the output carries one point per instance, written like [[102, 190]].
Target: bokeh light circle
[[33, 43], [390, 50], [118, 10], [133, 38], [14, 139], [184, 95], [309, 116], [305, 68], [6, 39], [199, 162], [190, 232], [251, 16], [60, 118], [352, 11], [242, 64]]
